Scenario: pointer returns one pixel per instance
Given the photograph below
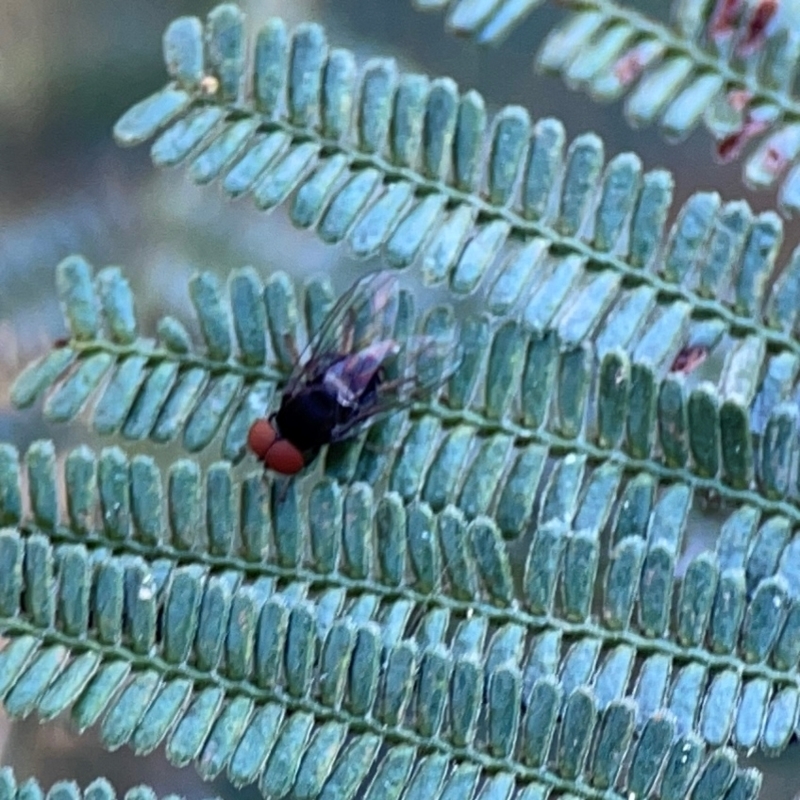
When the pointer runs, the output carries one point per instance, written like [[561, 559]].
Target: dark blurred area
[[69, 70]]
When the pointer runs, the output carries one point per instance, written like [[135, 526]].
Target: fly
[[354, 372]]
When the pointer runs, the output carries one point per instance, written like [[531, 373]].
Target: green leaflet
[[341, 534]]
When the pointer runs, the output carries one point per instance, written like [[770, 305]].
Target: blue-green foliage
[[521, 386], [187, 571], [698, 68], [414, 171], [486, 595], [99, 789], [254, 641]]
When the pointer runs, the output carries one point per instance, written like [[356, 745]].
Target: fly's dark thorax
[[308, 418]]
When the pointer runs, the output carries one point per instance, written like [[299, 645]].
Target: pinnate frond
[[731, 65], [164, 388], [411, 168], [587, 375], [325, 694], [725, 665], [489, 594], [565, 242]]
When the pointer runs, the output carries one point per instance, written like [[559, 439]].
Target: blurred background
[[68, 71]]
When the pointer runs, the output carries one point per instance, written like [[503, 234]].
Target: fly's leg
[[290, 343], [276, 486], [381, 444]]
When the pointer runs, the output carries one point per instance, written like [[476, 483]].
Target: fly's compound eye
[[282, 456], [261, 437]]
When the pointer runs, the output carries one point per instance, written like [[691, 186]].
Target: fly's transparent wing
[[426, 360], [431, 360], [353, 376], [365, 314], [410, 371]]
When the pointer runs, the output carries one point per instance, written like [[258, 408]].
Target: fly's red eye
[[261, 437], [284, 457]]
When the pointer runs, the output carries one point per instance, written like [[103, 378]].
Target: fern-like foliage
[[99, 789], [410, 168], [487, 595], [593, 383], [407, 552], [568, 244], [295, 641], [728, 63]]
